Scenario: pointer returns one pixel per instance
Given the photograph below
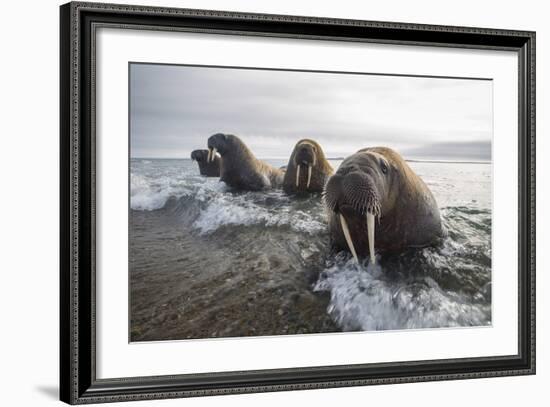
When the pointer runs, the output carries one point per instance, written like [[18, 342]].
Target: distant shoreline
[[449, 162], [337, 159]]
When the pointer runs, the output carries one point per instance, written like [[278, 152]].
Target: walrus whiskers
[[297, 175], [363, 190], [370, 233], [308, 175], [347, 235]]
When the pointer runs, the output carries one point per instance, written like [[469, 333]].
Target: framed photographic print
[[257, 203]]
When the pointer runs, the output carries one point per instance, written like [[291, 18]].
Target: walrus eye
[[384, 167]]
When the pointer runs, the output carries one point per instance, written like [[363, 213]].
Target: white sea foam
[[209, 189], [242, 210], [219, 206], [152, 193], [361, 299], [143, 196]]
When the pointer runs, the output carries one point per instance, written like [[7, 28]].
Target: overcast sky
[[174, 109]]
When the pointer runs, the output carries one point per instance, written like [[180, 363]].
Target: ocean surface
[[209, 262]]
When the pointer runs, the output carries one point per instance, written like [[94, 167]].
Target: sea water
[[207, 261]]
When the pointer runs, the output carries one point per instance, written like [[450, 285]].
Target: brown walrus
[[208, 167], [377, 183], [239, 168], [307, 169]]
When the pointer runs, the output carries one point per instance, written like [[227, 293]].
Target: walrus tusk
[[308, 175], [297, 175], [209, 154], [213, 154], [345, 229], [370, 231]]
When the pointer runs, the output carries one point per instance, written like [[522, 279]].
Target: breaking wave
[[243, 212], [374, 297], [218, 206]]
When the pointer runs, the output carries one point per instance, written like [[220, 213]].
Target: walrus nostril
[[305, 156], [343, 171]]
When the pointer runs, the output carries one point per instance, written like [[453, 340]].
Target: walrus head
[[218, 143], [199, 155], [358, 193], [305, 156]]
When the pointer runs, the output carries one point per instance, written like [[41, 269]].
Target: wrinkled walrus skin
[[207, 168], [375, 188], [239, 168], [307, 169]]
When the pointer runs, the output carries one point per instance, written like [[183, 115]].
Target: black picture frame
[[78, 382]]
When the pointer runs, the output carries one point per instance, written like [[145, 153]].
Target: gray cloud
[[174, 109]]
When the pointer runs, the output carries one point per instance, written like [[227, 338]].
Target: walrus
[[207, 167], [307, 169], [378, 183], [239, 168]]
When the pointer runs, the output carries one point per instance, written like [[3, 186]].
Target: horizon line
[[429, 160]]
